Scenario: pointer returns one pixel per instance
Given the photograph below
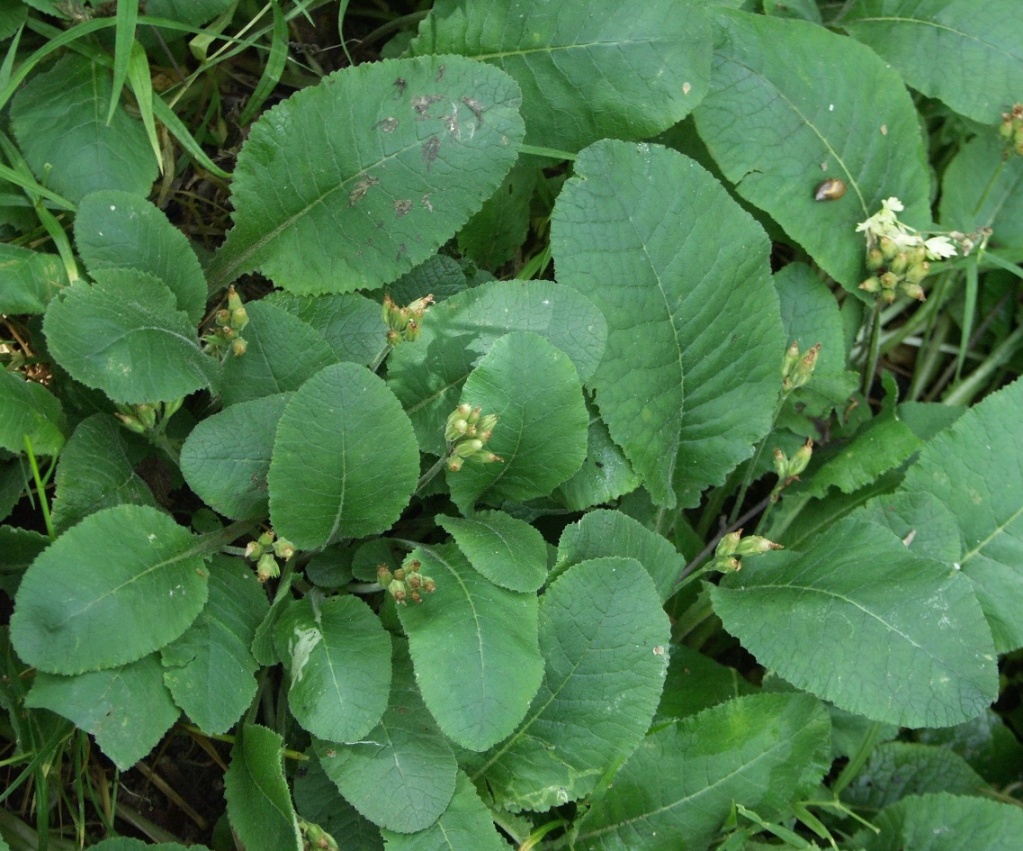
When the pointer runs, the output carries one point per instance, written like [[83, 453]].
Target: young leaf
[[28, 279], [639, 231], [913, 36], [790, 104], [402, 776], [603, 636], [587, 71], [27, 409], [59, 120], [258, 801], [976, 470], [474, 646], [506, 550], [210, 668], [127, 709], [541, 428], [338, 658], [125, 335], [351, 182], [225, 459], [428, 376], [344, 439], [764, 752], [119, 230], [122, 583], [946, 823], [859, 620]]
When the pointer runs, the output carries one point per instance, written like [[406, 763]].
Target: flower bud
[[914, 291], [871, 285], [234, 301], [223, 317], [131, 423], [253, 550], [781, 463], [899, 264], [755, 545], [800, 458], [875, 259], [915, 274], [267, 568], [239, 318], [728, 544], [384, 576], [454, 464], [284, 548], [455, 429], [889, 248], [790, 359], [468, 448]]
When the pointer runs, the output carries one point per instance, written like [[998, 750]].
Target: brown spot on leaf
[[402, 251], [388, 125], [425, 201], [402, 207], [440, 74], [399, 86], [421, 105], [430, 148], [360, 190], [476, 108]]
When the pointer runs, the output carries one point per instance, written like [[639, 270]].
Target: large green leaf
[[345, 460], [986, 40], [126, 336], [946, 823], [27, 409], [542, 425], [258, 801], [122, 583], [59, 120], [405, 754], [28, 279], [127, 709], [506, 550], [351, 182], [338, 658], [791, 104], [975, 468], [764, 752], [604, 638], [681, 274], [859, 620], [210, 669], [116, 229], [317, 800], [350, 323], [97, 470], [587, 70], [429, 375], [474, 646]]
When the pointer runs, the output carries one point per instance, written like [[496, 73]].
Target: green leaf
[[350, 323], [317, 800], [97, 470], [80, 609], [124, 335], [210, 669], [440, 276], [59, 120], [258, 801], [117, 230], [976, 470], [946, 823], [122, 843], [508, 551], [696, 682], [427, 377], [638, 230], [604, 636], [763, 752], [914, 36], [605, 474], [541, 430], [496, 232], [354, 181], [611, 533], [28, 409], [402, 776], [225, 459], [860, 621], [791, 104], [474, 647], [338, 657], [896, 770], [282, 352], [921, 521], [28, 279], [127, 709], [466, 823], [587, 71], [344, 438]]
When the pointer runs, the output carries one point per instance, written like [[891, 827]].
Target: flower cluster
[[1011, 130], [732, 547], [229, 322], [265, 551], [404, 324], [405, 584], [796, 368], [466, 432], [898, 256]]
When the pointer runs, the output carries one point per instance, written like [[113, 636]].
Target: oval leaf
[[28, 279], [122, 583], [344, 438], [350, 323], [474, 647], [354, 181], [506, 550], [29, 410]]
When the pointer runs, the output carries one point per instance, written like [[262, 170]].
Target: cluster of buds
[[1011, 130], [315, 838], [788, 469], [265, 551], [796, 367], [466, 433], [147, 418], [732, 547], [898, 256], [406, 583], [404, 324], [228, 323]]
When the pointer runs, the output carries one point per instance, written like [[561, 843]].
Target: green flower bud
[[871, 285], [267, 568], [804, 369], [728, 544], [875, 259], [239, 318], [755, 545], [454, 464], [234, 301], [781, 463], [790, 359], [223, 316], [284, 548], [800, 459], [888, 247], [131, 423], [915, 274], [468, 447], [267, 538], [239, 347], [899, 264], [455, 429], [429, 586], [384, 576], [914, 291], [253, 550]]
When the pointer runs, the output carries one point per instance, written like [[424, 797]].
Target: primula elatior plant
[[593, 426]]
